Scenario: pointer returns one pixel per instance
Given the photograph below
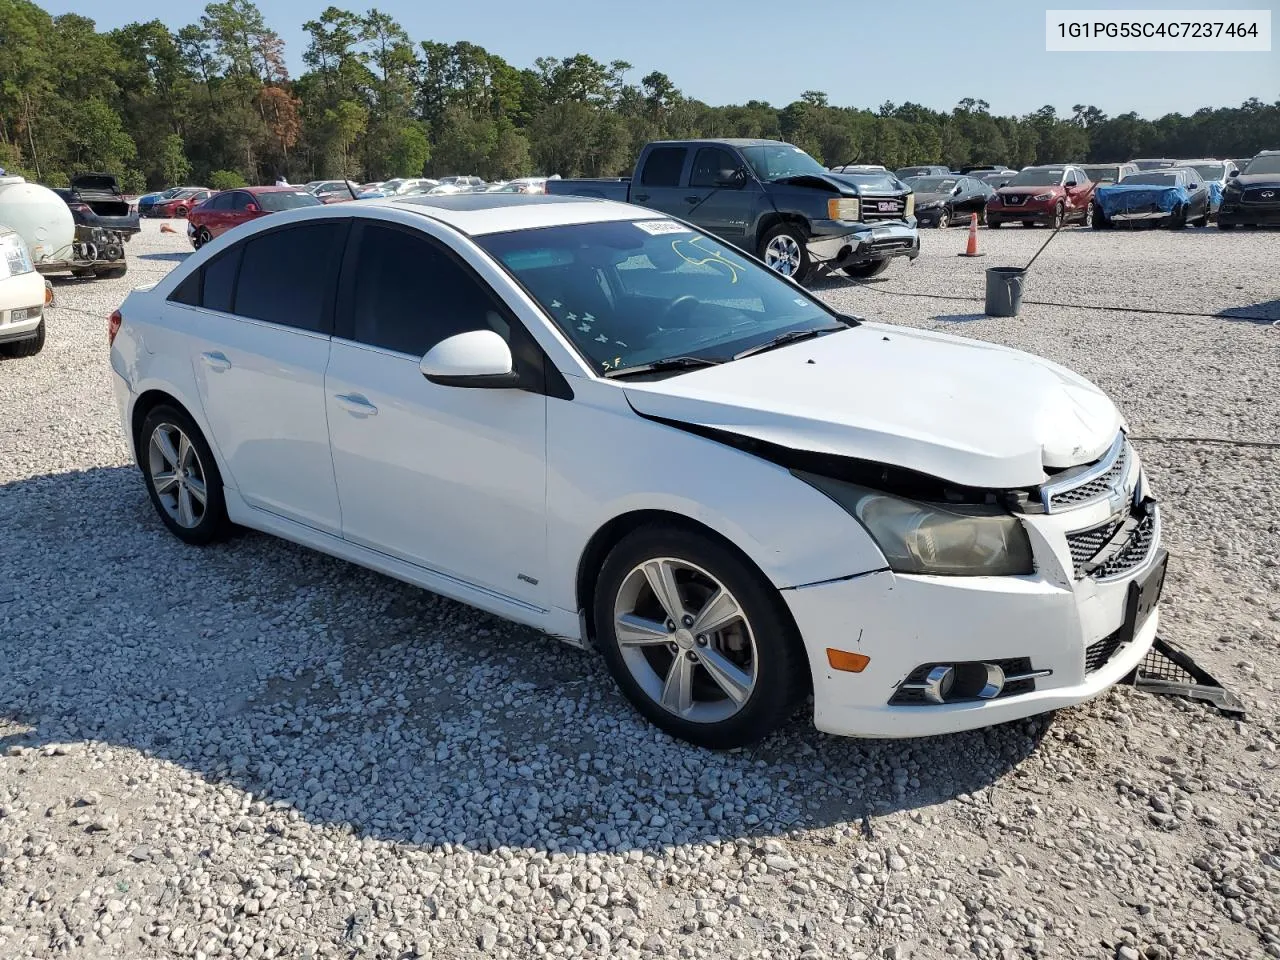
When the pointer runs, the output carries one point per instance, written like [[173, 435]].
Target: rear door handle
[[692, 199], [216, 361], [356, 405]]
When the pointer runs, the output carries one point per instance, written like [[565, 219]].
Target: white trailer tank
[[40, 217]]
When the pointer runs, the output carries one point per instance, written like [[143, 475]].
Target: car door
[[969, 199], [216, 213], [450, 478], [260, 350], [718, 206], [660, 181]]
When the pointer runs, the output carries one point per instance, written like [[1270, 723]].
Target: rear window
[[188, 291], [663, 166], [288, 276], [275, 202], [220, 281]]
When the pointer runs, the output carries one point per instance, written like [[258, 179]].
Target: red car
[[1052, 195], [230, 208], [180, 204]]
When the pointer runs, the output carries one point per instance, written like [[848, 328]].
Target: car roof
[[255, 190], [476, 214]]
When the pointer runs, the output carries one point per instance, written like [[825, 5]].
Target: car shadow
[[168, 257], [1266, 312], [960, 317], [361, 701]]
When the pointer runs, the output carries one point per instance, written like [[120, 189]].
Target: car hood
[[1257, 179], [972, 413], [848, 184], [1026, 191], [924, 198]]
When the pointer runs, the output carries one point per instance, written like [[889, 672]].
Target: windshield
[[1037, 177], [932, 184], [1209, 171], [1269, 164], [1152, 164], [632, 293], [1152, 179], [286, 200], [1103, 174], [776, 162]]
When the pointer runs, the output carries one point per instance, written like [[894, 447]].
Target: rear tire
[[202, 236], [26, 348], [993, 224], [1059, 216], [765, 659], [179, 469], [111, 273], [865, 271]]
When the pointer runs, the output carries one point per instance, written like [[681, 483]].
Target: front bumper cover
[[836, 244]]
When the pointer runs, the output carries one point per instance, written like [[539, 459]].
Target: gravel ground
[[256, 751]]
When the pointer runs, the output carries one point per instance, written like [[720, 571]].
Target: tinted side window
[[409, 294], [221, 202], [220, 280], [662, 167], [188, 291], [710, 164], [240, 201], [288, 276]]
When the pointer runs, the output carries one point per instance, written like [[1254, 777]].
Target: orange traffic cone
[[165, 228], [971, 250]]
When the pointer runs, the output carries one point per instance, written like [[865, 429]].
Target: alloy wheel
[[686, 640], [177, 475], [783, 255]]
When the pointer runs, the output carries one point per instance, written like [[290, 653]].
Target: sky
[[859, 52]]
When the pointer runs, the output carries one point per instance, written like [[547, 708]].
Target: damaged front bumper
[[835, 244]]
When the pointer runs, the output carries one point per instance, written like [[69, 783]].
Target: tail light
[[113, 326], [80, 207]]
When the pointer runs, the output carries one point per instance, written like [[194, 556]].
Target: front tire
[[26, 348], [201, 237], [697, 639], [182, 477], [112, 273], [1059, 216], [180, 212], [944, 219], [865, 271], [783, 251]]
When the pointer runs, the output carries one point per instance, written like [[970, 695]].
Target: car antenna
[[350, 189]]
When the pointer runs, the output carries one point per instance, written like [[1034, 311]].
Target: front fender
[[606, 461]]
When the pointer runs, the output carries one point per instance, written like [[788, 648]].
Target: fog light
[[963, 681]]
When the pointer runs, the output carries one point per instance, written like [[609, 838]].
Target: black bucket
[[1004, 291]]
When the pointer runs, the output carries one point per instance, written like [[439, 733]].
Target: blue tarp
[[1215, 192], [1116, 198]]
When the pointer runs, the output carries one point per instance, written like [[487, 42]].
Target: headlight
[[1043, 196], [931, 538], [17, 260], [911, 206], [844, 209]]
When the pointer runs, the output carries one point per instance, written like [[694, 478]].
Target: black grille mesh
[[1086, 544], [1098, 655]]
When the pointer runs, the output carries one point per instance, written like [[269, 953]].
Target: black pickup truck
[[772, 200]]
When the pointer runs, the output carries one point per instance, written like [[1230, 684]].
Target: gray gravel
[[256, 751]]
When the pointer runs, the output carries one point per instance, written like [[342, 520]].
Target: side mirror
[[731, 178], [1233, 173], [957, 190], [253, 208], [1071, 184], [478, 358]]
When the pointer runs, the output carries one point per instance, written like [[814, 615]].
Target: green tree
[[226, 180], [174, 166]]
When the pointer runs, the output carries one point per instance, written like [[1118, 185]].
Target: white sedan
[[23, 297], [602, 423]]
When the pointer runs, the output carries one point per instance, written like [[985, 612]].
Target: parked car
[[926, 171], [1051, 196], [987, 168], [148, 200], [859, 168], [22, 298], [463, 183], [771, 199], [181, 203], [520, 185], [1216, 174], [1108, 172], [230, 208], [333, 191], [1158, 163], [984, 547], [1252, 197], [1172, 197], [995, 179], [939, 200], [104, 222]]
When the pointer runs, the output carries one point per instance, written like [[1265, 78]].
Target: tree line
[[213, 103]]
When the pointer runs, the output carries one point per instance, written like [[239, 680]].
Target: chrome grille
[[1096, 487], [1255, 195], [883, 208], [1087, 544], [1014, 199]]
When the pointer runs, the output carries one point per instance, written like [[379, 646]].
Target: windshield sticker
[[656, 228]]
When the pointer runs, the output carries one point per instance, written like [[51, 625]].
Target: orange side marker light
[[846, 661]]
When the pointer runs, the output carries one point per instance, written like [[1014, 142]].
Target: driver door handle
[[216, 361], [356, 405], [692, 199]]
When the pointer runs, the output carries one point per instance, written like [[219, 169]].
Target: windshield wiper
[[667, 363], [782, 339]]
